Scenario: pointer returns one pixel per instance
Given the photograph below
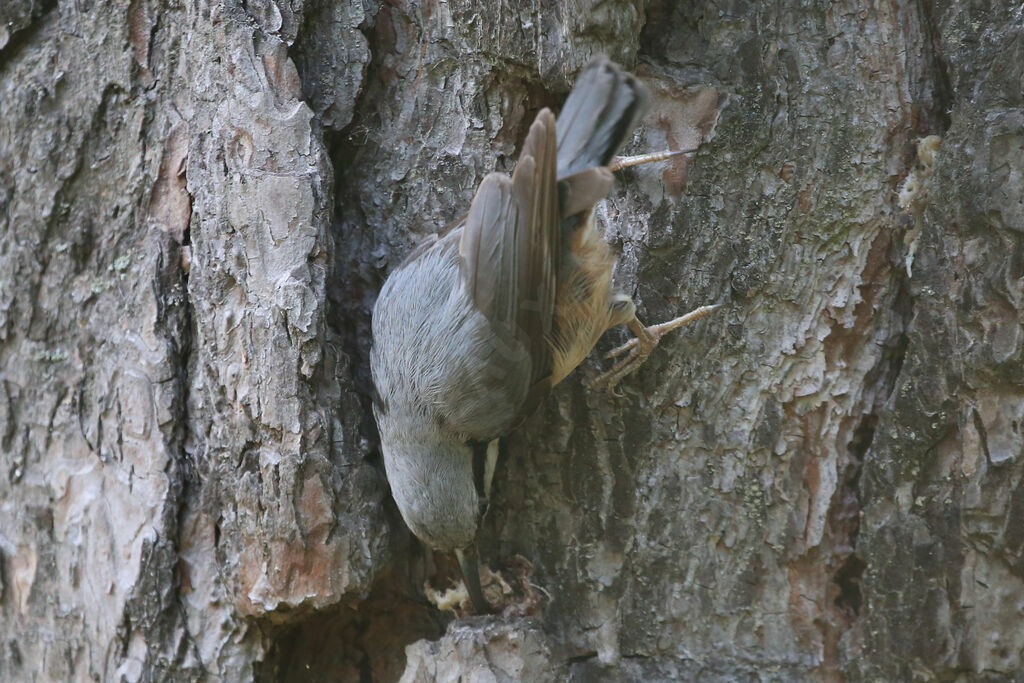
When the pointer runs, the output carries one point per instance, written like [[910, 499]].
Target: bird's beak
[[468, 562]]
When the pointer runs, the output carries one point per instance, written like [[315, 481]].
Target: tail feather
[[600, 114]]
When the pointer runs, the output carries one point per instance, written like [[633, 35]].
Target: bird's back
[[437, 360]]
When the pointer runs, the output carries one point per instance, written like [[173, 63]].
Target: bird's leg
[[619, 163], [657, 331], [637, 350]]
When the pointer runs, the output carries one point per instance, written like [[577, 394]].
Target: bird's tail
[[602, 110]]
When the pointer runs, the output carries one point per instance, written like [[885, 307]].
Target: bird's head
[[431, 476]]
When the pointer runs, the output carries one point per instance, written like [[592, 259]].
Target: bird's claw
[[610, 379], [619, 350], [637, 350]]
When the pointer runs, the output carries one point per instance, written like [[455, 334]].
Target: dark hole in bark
[[848, 579]]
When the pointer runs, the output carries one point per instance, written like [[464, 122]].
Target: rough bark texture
[[199, 201]]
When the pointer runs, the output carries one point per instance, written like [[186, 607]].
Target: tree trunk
[[200, 200]]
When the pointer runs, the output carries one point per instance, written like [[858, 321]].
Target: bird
[[475, 326]]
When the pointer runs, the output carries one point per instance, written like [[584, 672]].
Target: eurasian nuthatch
[[476, 326]]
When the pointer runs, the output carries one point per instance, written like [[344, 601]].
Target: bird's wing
[[510, 246]]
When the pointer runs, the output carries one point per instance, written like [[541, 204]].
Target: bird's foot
[[637, 350], [619, 163]]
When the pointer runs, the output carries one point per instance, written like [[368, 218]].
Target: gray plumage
[[445, 374], [472, 330]]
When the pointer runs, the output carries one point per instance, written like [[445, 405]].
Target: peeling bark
[[199, 202]]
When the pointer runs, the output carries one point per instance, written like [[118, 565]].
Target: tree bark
[[199, 202]]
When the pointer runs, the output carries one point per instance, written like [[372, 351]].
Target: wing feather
[[510, 245]]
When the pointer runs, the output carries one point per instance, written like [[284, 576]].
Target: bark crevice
[[22, 30]]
